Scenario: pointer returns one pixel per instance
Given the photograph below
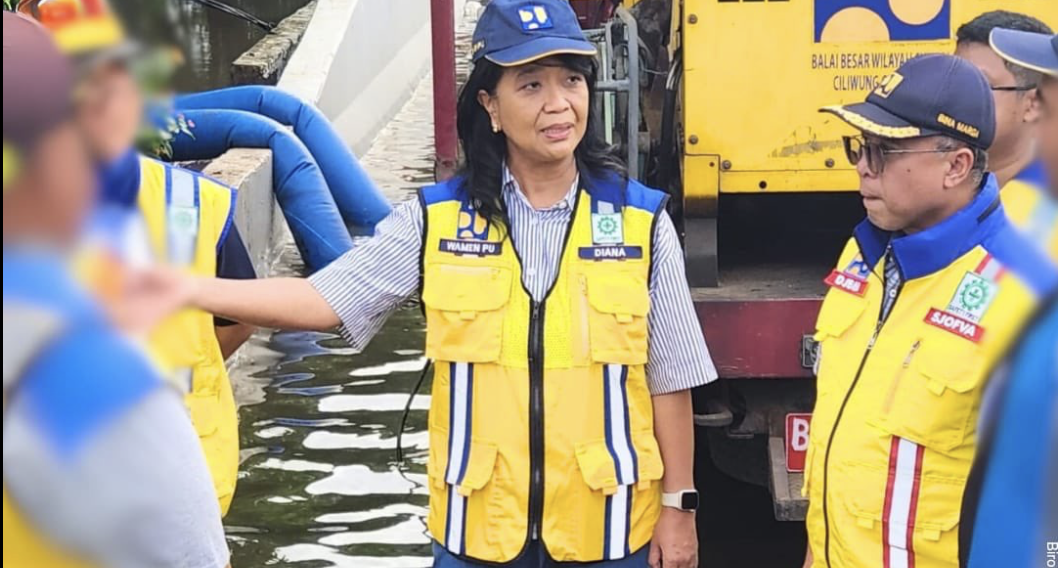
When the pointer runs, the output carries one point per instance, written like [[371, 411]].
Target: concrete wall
[[263, 63], [359, 61], [259, 220]]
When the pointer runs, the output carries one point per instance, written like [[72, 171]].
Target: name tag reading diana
[[471, 248], [611, 252]]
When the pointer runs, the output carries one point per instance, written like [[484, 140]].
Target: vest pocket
[[839, 311], [933, 394], [908, 513], [465, 309], [618, 305], [606, 465], [468, 473]]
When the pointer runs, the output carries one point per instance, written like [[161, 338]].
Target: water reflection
[[210, 40]]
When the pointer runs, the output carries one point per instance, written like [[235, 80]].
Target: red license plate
[[797, 440]]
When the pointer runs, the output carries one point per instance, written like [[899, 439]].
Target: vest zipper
[[830, 440], [536, 419], [841, 412]]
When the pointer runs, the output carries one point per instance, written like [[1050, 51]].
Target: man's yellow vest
[[894, 427], [1032, 209], [187, 217], [541, 422]]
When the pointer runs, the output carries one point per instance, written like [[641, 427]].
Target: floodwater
[[319, 485], [209, 40]]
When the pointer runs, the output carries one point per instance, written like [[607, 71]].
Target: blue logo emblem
[[471, 225], [534, 17], [882, 20], [858, 268]]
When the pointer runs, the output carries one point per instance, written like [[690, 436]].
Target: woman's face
[[542, 109]]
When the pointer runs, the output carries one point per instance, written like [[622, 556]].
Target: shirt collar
[[511, 185], [928, 251]]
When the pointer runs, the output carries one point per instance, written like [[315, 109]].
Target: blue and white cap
[[1038, 52], [516, 32]]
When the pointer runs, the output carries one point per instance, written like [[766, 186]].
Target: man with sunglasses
[[925, 298], [1014, 156]]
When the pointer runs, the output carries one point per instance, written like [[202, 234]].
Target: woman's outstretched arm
[[356, 292], [283, 303]]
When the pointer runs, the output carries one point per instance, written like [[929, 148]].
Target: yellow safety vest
[[541, 422], [187, 216], [1032, 209], [894, 427]]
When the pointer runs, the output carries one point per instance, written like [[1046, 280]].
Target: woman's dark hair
[[484, 150]]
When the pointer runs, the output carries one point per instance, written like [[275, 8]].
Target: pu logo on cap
[[534, 17], [888, 85]]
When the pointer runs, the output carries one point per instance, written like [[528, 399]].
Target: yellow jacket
[[894, 427], [526, 392]]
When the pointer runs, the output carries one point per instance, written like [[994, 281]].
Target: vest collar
[[606, 186], [119, 180], [929, 251]]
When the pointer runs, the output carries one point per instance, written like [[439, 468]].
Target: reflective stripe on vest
[[600, 459], [893, 429], [182, 207]]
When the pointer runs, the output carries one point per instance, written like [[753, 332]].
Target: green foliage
[[157, 141]]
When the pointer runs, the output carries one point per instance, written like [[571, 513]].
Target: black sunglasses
[[857, 148]]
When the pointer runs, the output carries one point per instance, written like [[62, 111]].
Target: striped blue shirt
[[371, 281]]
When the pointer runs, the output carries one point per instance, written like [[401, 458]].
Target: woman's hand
[[675, 543]]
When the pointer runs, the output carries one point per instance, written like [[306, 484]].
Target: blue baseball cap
[[1038, 52], [930, 95], [516, 32]]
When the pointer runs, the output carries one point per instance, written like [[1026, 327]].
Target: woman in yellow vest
[[156, 212], [558, 316]]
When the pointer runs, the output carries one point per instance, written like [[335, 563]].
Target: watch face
[[689, 501]]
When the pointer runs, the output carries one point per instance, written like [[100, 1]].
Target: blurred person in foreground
[[1015, 156], [96, 445], [929, 293], [1010, 508], [157, 212]]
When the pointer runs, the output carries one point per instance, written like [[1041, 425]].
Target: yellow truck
[[716, 102]]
